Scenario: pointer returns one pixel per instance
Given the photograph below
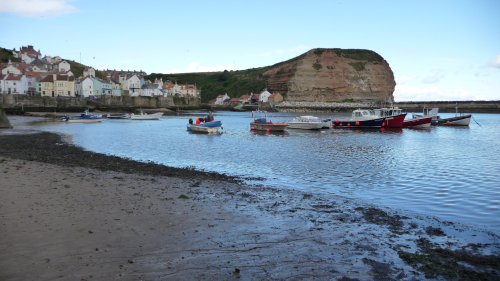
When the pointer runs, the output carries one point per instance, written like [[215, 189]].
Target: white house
[[264, 96], [132, 84], [11, 69], [95, 87], [64, 67], [12, 84], [151, 90], [29, 54], [89, 71], [221, 98]]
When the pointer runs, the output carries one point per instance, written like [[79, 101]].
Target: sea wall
[[23, 103], [444, 106], [451, 106]]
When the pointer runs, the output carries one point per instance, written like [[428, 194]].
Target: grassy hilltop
[[211, 84]]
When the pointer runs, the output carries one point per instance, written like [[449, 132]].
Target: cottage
[[64, 67], [264, 96], [95, 87], [29, 54], [245, 98], [11, 69], [221, 99], [151, 90], [58, 85], [131, 83], [234, 101], [89, 71], [12, 84]]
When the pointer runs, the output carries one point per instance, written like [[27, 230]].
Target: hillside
[[6, 55], [324, 75], [211, 84]]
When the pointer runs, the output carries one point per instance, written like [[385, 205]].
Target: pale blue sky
[[438, 49]]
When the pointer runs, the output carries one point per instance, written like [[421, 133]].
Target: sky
[[437, 49]]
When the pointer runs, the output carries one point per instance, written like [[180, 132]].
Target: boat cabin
[[387, 112], [363, 113]]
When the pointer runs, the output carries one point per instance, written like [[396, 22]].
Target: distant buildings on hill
[[263, 97], [38, 75]]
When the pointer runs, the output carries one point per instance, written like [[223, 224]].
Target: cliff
[[333, 75]]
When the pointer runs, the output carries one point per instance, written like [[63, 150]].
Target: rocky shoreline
[[72, 214]]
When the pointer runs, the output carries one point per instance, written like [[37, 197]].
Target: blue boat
[[87, 115], [205, 127]]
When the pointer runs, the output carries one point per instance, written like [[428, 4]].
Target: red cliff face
[[333, 75]]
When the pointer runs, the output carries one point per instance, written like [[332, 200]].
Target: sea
[[451, 173]]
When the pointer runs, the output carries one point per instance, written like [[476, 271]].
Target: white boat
[[306, 123], [203, 129], [145, 116], [78, 120], [327, 123], [119, 116]]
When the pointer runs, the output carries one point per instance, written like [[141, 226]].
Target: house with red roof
[[221, 99], [11, 84], [28, 54]]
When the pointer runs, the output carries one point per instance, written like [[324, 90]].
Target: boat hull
[[153, 116], [372, 123], [419, 122], [463, 120], [83, 120], [305, 125], [203, 129], [395, 121], [268, 127]]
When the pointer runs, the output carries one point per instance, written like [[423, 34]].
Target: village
[[47, 76]]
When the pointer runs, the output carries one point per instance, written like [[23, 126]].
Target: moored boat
[[461, 120], [260, 123], [200, 126], [360, 118], [418, 122], [306, 123], [146, 116], [118, 116], [394, 116], [202, 129]]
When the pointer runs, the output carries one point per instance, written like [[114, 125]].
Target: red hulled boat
[[394, 116]]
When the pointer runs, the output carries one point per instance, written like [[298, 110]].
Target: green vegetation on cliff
[[6, 55], [211, 84], [356, 54]]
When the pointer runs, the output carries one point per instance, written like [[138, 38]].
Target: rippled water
[[452, 173]]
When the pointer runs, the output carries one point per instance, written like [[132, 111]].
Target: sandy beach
[[70, 214]]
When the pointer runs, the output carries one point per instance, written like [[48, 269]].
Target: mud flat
[[70, 214]]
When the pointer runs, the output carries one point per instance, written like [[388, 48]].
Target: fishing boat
[[458, 120], [87, 115], [394, 116], [78, 119], [429, 112], [118, 116], [260, 123], [146, 116], [204, 127], [360, 118], [306, 123], [418, 122]]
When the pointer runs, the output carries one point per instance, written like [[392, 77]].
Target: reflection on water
[[449, 172]]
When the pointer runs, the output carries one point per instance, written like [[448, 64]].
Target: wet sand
[[70, 214]]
